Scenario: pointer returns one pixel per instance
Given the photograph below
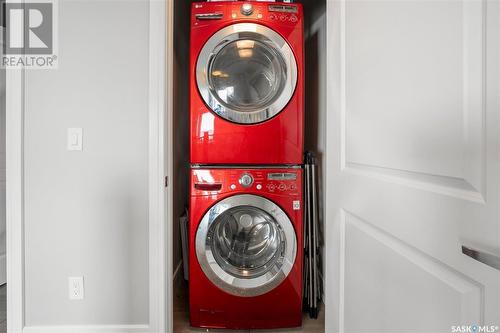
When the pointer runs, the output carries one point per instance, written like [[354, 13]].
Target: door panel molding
[[453, 187], [470, 185], [470, 292]]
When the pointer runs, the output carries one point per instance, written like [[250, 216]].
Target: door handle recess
[[208, 186], [481, 256]]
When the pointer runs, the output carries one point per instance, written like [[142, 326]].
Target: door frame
[[334, 230], [14, 120], [160, 198]]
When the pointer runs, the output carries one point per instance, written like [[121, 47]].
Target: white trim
[[168, 58], [160, 267], [169, 168], [334, 162], [88, 329], [14, 199]]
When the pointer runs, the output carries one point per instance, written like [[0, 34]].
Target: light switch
[[75, 139]]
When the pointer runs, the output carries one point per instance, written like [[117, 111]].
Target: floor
[[3, 309], [181, 319]]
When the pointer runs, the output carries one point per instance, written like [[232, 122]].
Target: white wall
[[86, 213]]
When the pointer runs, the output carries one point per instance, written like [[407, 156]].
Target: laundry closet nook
[[250, 182]]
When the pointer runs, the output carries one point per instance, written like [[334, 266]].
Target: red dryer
[[247, 83], [246, 247]]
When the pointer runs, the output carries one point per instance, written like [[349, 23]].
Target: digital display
[[283, 9], [281, 176]]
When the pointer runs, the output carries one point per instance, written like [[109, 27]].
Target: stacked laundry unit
[[247, 138]]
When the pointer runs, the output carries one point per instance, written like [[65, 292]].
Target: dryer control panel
[[274, 13], [272, 181]]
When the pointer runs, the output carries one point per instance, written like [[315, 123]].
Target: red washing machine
[[246, 247], [246, 83]]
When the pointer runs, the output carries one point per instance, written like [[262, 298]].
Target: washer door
[[246, 73], [246, 245]]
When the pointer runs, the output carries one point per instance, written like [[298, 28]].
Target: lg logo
[[29, 28]]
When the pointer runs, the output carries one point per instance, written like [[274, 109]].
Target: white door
[[413, 165]]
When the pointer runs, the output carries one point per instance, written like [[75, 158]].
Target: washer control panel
[[281, 181], [272, 181]]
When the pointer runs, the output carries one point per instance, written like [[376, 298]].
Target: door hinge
[[166, 181]]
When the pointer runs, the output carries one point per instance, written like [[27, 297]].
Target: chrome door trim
[[242, 31], [246, 287]]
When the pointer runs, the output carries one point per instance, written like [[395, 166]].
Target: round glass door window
[[246, 245], [246, 73], [246, 241]]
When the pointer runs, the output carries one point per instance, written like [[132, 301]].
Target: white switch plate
[[75, 139], [75, 287]]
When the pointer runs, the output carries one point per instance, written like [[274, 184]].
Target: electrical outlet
[[75, 284]]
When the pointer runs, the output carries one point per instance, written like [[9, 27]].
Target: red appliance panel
[[210, 307], [279, 140]]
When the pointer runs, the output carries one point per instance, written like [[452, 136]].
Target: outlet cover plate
[[75, 288]]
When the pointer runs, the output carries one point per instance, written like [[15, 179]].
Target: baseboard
[[3, 269], [88, 329]]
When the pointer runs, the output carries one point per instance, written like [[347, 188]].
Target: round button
[[233, 187], [259, 187], [293, 18], [246, 180], [283, 18], [282, 187], [247, 9], [271, 187]]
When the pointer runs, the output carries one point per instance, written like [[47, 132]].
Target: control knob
[[247, 9], [246, 180]]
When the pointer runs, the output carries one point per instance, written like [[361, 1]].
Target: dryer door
[[246, 245], [246, 73]]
